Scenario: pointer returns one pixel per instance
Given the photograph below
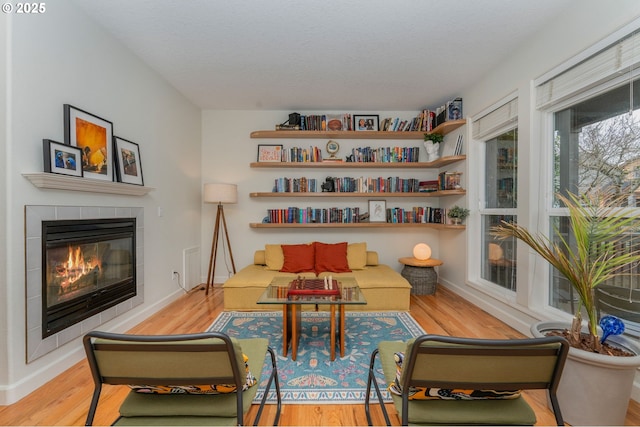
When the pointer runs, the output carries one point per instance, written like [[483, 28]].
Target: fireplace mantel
[[62, 182]]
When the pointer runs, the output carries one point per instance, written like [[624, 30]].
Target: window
[[498, 129], [595, 146]]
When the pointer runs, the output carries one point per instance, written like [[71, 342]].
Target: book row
[[385, 154], [449, 180], [417, 214], [360, 154], [299, 154], [347, 185], [295, 215]]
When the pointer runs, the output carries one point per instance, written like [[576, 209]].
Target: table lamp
[[219, 193], [422, 251]]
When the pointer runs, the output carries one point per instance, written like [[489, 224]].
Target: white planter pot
[[594, 389]]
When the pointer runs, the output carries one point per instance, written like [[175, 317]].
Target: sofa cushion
[[372, 258], [273, 257], [357, 255], [331, 257], [298, 258], [259, 257]]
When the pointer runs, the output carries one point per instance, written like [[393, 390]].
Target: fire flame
[[75, 267]]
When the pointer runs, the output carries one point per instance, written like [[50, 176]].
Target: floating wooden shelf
[[442, 193], [358, 225], [442, 161], [72, 183], [443, 128]]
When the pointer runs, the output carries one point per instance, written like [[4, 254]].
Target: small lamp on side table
[[219, 193], [419, 270], [422, 251]]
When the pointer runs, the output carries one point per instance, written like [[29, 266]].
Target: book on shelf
[[428, 186], [458, 150], [287, 127], [449, 180]]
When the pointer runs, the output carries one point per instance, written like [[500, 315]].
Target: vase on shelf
[[433, 150], [456, 221]]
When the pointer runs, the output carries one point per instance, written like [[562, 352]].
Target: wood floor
[[64, 400]]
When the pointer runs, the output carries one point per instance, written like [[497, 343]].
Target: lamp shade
[[220, 193], [422, 251]]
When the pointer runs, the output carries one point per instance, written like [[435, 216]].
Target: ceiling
[[340, 55]]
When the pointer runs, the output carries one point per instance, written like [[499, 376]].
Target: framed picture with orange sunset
[[93, 135]]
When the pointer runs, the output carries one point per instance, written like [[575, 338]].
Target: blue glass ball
[[611, 325]]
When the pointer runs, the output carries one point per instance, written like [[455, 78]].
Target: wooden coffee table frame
[[292, 321], [292, 312]]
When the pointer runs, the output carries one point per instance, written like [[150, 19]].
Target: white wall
[[227, 150], [62, 57], [4, 151], [563, 38]]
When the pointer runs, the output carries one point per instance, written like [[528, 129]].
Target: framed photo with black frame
[[61, 158], [128, 164], [377, 211], [94, 136], [269, 153], [366, 122]]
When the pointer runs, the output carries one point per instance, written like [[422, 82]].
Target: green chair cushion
[[434, 412], [217, 405]]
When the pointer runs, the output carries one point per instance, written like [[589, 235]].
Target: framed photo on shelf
[[93, 135], [62, 158], [269, 153], [128, 164], [377, 211], [366, 122]]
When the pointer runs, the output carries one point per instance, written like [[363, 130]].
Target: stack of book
[[417, 214], [449, 180], [299, 154], [294, 215], [385, 154]]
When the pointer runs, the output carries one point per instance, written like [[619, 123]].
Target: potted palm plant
[[596, 386]]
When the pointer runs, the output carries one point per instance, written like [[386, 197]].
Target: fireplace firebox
[[87, 266]]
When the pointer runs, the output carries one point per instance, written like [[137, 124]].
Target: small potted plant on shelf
[[589, 254], [458, 214], [432, 143]]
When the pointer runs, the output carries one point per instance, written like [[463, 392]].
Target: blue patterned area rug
[[313, 378]]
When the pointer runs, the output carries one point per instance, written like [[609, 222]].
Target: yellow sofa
[[383, 288]]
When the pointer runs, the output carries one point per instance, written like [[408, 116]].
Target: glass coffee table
[[345, 292]]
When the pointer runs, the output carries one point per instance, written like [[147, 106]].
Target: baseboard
[[66, 359]]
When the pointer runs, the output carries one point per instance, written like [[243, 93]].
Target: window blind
[[496, 121], [618, 59]]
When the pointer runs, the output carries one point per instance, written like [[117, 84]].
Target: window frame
[[540, 298], [478, 189]]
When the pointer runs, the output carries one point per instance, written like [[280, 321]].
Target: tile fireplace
[[84, 267]]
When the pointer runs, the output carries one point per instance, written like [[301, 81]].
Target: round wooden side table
[[420, 274]]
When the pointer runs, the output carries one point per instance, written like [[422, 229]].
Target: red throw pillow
[[331, 257], [298, 258]]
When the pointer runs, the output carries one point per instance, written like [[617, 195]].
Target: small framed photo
[[94, 136], [366, 122], [128, 164], [62, 158], [377, 211], [269, 153]]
